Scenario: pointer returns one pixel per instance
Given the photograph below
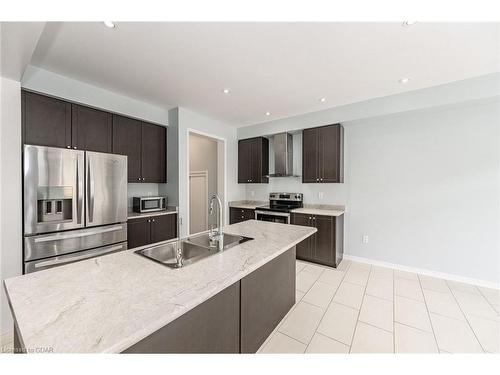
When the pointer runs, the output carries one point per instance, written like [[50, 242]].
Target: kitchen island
[[124, 302]]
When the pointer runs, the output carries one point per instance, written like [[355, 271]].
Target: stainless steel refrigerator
[[75, 205]]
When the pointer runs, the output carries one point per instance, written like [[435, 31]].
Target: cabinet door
[[331, 153], [91, 129], [267, 294], [324, 247], [244, 160], [138, 232], [248, 214], [46, 121], [127, 141], [163, 227], [304, 250], [310, 154], [154, 143], [259, 160]]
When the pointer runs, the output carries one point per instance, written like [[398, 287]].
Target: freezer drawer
[[41, 264], [56, 244]]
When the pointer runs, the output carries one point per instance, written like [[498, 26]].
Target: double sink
[[183, 252]]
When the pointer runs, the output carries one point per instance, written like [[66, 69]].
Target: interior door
[[198, 202], [105, 188], [310, 154]]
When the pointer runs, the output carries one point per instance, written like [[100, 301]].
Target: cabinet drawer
[[237, 215]]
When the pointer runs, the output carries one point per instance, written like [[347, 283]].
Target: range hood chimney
[[283, 155]]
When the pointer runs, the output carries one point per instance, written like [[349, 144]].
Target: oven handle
[[271, 213]]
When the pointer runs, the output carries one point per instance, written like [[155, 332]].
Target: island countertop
[[109, 303]]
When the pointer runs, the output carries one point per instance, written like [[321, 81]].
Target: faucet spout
[[218, 235]]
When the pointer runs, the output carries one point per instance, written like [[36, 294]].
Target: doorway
[[206, 177]]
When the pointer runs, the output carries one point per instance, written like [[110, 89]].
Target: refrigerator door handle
[[58, 262], [65, 236], [79, 192], [90, 190]]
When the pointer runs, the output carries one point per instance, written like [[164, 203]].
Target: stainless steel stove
[[279, 208]]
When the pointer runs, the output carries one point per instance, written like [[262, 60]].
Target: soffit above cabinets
[[281, 68]]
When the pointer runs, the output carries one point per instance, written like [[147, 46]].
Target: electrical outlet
[[321, 195], [365, 238], [252, 193]]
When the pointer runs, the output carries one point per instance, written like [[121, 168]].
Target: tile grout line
[[359, 312], [465, 315], [428, 312], [487, 300], [393, 312], [326, 309]]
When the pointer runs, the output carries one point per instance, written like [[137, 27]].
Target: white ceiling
[[283, 68]]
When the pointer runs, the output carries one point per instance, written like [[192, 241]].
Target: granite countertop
[[109, 303], [320, 209], [136, 215], [249, 205]]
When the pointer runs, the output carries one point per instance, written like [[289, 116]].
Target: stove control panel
[[286, 197]]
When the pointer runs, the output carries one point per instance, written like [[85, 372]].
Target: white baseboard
[[440, 275]]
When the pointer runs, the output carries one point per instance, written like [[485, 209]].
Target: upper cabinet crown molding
[[253, 160], [323, 154]]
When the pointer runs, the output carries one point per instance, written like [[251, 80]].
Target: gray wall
[[423, 185], [203, 156]]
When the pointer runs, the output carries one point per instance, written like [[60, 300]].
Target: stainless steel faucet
[[218, 236]]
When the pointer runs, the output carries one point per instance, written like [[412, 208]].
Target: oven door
[[275, 217]]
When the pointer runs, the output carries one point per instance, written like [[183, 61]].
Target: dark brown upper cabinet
[[253, 160], [323, 154], [145, 146], [92, 129], [154, 140], [127, 141], [46, 120]]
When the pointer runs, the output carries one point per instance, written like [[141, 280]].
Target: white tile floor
[[358, 308]]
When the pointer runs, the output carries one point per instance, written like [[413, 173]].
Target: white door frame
[[221, 159], [199, 174]]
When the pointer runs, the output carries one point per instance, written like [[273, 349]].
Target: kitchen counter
[[136, 215], [248, 205], [110, 303], [320, 209]]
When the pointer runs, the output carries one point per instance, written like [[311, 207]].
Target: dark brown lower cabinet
[[326, 246], [212, 327], [237, 215], [144, 231], [236, 320], [267, 294]]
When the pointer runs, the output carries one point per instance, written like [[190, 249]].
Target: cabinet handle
[[309, 217], [317, 179], [321, 179], [143, 179], [138, 179], [74, 148], [153, 220], [149, 221], [68, 146]]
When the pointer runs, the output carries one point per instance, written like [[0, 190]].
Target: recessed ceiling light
[[268, 113], [409, 23], [109, 24], [322, 100], [403, 80], [225, 91]]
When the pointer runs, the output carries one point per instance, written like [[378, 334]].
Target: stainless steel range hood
[[283, 155]]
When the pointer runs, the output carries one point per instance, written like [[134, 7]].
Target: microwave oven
[[149, 204]]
